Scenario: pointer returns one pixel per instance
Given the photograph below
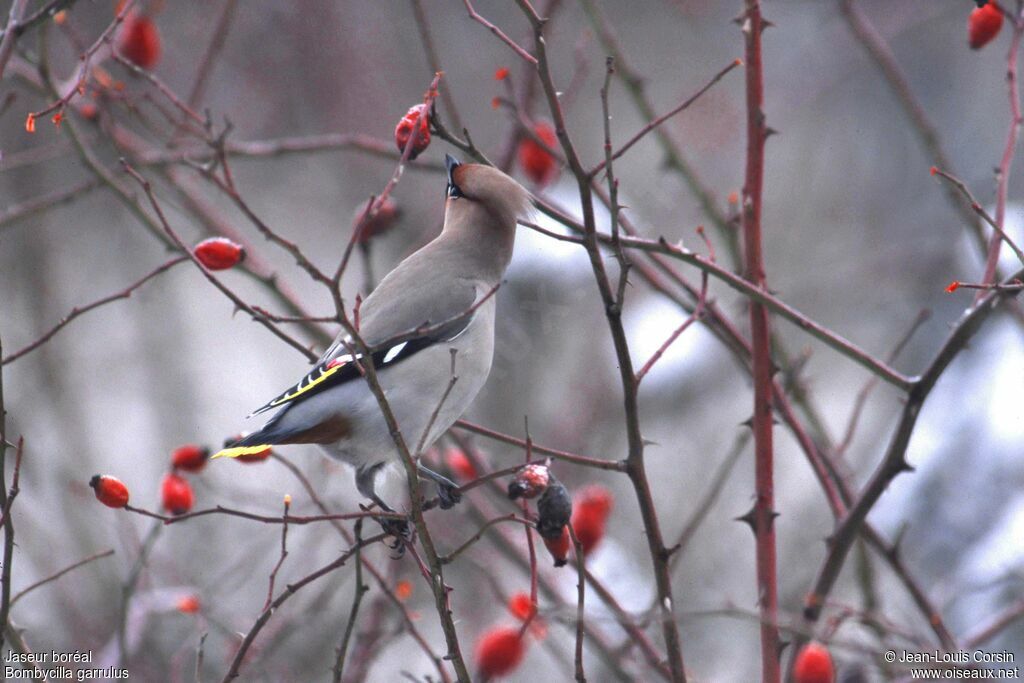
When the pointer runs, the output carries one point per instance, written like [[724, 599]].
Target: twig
[[499, 33], [217, 40], [875, 45], [894, 461], [265, 519], [586, 461], [980, 211], [284, 552], [382, 582], [77, 83], [327, 142], [81, 310], [675, 160], [199, 657], [433, 60], [11, 32], [440, 404], [993, 628], [148, 189], [360, 591], [703, 507], [7, 502], [290, 590], [581, 590], [684, 105], [862, 395], [16, 212], [1006, 163], [635, 467], [53, 577]]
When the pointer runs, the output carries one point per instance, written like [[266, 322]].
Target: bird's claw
[[449, 496], [400, 530]]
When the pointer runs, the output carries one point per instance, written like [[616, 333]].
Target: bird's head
[[472, 187]]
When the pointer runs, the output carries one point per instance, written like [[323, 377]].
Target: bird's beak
[[451, 163]]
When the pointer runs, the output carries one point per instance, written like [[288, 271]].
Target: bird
[[429, 320]]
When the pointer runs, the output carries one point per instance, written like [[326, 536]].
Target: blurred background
[[858, 236]]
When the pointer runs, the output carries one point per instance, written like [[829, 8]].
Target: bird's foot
[[449, 495], [399, 530]]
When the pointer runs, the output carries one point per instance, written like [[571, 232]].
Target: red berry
[[189, 457], [460, 464], [501, 73], [529, 482], [177, 494], [415, 119], [219, 253], [387, 216], [140, 41], [983, 25], [521, 606], [110, 491], [559, 547], [537, 163], [590, 511], [499, 651], [188, 604], [813, 665]]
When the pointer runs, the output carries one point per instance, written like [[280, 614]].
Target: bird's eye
[[453, 191]]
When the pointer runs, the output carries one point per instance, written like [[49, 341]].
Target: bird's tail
[[251, 444]]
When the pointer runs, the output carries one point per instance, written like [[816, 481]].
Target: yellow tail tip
[[239, 451]]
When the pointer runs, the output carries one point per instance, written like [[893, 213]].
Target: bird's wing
[[394, 329]]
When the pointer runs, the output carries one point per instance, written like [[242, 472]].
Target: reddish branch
[[762, 517]]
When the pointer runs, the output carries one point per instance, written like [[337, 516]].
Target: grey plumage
[[450, 280]]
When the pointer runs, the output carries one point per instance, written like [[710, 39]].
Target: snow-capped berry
[[140, 41], [499, 651], [189, 457], [416, 119], [176, 494], [529, 482], [536, 162], [219, 253], [984, 24], [559, 547], [110, 491], [814, 665]]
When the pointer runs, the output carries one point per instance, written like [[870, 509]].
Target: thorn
[[748, 519], [748, 423], [783, 644], [769, 131], [765, 23]]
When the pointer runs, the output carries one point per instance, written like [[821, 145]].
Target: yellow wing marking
[[312, 382], [239, 451]]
